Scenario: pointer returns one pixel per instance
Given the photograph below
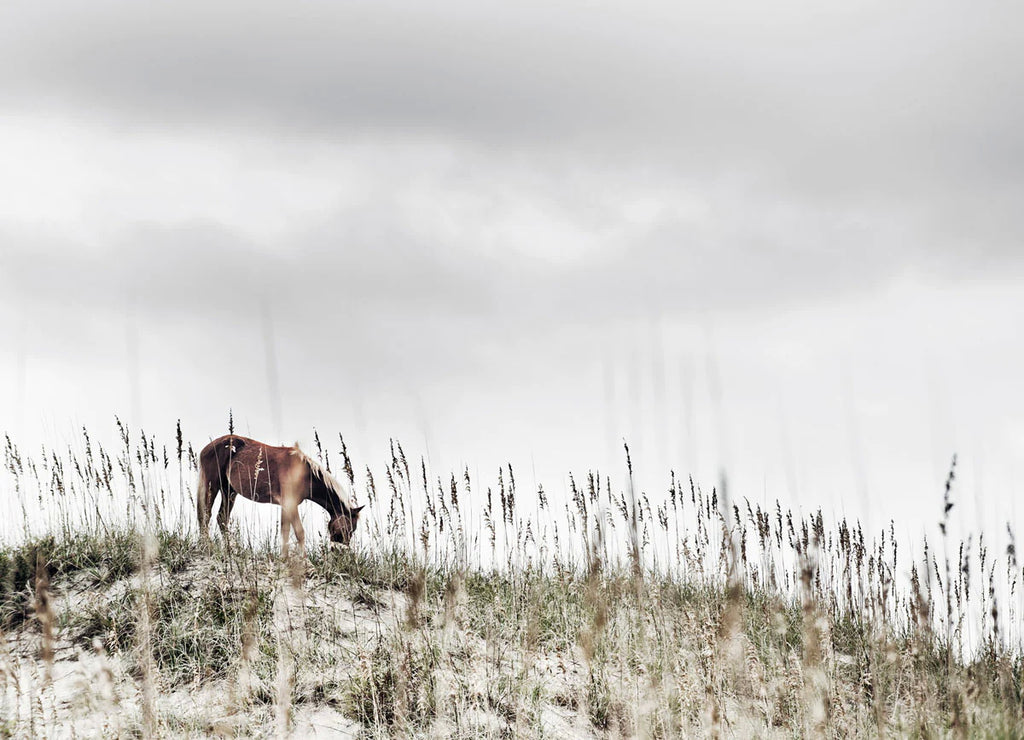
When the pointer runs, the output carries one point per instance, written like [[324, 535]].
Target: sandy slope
[[89, 692]]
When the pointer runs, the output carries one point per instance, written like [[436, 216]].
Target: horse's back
[[249, 467]]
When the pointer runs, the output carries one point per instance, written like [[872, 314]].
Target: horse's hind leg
[[227, 502], [205, 498]]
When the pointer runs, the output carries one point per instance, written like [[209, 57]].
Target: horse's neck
[[327, 498]]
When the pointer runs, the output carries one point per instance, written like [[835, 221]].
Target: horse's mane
[[328, 480]]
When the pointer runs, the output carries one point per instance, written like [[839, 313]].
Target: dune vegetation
[[477, 608]]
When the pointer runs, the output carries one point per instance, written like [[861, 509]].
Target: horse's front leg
[[300, 533], [296, 566], [290, 522], [286, 531]]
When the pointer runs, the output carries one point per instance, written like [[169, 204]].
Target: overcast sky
[[783, 238]]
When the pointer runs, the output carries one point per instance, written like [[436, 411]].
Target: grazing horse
[[233, 465]]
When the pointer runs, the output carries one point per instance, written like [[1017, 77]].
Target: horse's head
[[342, 526]]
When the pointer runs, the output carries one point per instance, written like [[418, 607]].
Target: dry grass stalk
[[150, 553], [45, 616], [817, 700], [290, 521], [291, 634]]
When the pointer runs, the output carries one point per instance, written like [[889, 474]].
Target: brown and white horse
[[233, 465]]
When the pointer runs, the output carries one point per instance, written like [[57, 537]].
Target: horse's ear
[[357, 509]]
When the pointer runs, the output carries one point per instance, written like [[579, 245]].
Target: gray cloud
[[363, 303], [831, 150], [372, 282], [931, 85], [908, 113]]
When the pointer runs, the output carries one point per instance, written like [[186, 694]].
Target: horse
[[286, 476]]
